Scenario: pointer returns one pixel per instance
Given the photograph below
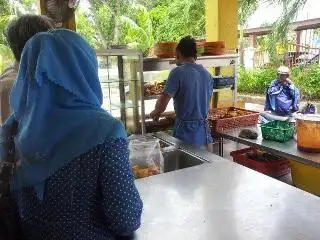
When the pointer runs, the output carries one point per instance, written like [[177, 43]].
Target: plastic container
[[221, 82], [308, 132], [215, 48], [278, 131], [165, 49], [305, 177], [200, 47], [275, 167]]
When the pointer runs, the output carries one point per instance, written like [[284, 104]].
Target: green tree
[[279, 35], [138, 28], [5, 53], [115, 22], [175, 19]]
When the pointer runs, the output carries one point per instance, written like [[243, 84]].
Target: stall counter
[[221, 201]]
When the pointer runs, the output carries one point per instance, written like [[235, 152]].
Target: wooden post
[[254, 40], [69, 24], [42, 6], [298, 42]]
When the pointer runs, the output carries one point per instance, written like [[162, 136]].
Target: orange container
[[217, 44], [165, 49], [308, 133], [200, 47], [215, 48]]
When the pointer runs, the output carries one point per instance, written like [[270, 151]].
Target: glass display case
[[131, 85], [121, 77]]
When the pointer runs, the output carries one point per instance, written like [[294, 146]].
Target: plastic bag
[[309, 108], [145, 156]]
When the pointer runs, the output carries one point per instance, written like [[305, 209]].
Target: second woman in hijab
[[73, 179]]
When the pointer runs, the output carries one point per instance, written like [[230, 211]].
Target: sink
[[164, 144], [178, 159]]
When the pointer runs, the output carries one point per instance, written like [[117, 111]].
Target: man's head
[[186, 50], [20, 30], [283, 74]]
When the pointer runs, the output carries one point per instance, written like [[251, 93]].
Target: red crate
[[273, 168]]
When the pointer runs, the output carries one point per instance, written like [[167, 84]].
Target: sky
[[266, 13], [269, 14]]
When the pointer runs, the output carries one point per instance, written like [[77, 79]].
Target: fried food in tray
[[140, 172], [165, 122], [154, 89], [227, 113]]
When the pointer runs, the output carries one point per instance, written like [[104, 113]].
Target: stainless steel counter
[[225, 201], [288, 149]]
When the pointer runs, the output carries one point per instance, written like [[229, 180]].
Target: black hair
[[188, 47], [20, 30]]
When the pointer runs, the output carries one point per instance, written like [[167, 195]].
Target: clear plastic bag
[[145, 156]]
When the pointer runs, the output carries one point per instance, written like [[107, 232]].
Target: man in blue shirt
[[191, 86]]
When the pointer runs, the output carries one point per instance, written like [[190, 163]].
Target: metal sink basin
[[164, 144], [178, 159]]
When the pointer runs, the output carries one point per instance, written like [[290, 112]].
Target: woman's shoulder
[[113, 127]]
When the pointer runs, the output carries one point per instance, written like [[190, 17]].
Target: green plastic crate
[[278, 131]]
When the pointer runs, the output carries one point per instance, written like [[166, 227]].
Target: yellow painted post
[[222, 24], [222, 21], [228, 23], [212, 20]]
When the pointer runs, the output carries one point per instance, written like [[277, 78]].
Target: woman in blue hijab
[[73, 179]]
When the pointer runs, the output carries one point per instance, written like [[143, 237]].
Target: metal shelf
[[158, 64], [119, 52]]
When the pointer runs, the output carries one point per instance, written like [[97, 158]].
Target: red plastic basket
[[273, 168]]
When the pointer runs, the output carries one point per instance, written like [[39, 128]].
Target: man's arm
[[170, 91], [161, 106]]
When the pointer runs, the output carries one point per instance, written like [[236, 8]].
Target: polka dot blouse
[[91, 198]]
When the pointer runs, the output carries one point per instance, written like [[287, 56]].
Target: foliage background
[[136, 23], [141, 23], [306, 78]]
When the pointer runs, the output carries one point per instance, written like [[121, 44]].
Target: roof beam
[[296, 26]]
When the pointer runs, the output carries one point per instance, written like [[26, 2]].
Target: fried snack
[[145, 172], [142, 173], [153, 171], [152, 89]]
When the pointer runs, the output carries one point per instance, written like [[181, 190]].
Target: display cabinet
[[131, 85]]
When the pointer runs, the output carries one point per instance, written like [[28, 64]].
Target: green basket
[[278, 131]]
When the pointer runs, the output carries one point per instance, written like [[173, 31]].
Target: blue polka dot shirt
[[91, 198]]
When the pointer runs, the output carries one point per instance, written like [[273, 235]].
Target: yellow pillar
[[222, 21], [222, 25]]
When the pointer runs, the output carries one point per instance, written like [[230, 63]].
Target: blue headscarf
[[56, 101]]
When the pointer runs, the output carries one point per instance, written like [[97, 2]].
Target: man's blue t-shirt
[[191, 87]]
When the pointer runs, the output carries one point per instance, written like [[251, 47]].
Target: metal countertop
[[288, 149], [222, 201]]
